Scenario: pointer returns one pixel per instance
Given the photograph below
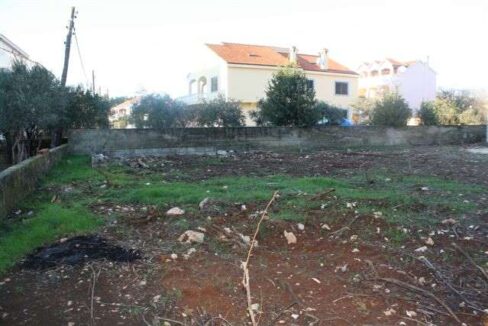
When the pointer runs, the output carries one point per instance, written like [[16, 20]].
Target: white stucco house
[[10, 52], [242, 72], [415, 81]]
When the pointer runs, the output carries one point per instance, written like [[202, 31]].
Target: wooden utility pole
[[58, 132], [68, 47], [93, 82]]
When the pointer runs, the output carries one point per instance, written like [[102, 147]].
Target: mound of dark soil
[[78, 250]]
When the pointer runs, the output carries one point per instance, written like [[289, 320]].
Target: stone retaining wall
[[18, 181]]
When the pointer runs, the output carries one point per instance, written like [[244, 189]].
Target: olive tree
[[155, 111], [220, 113]]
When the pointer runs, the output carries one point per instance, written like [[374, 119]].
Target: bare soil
[[338, 274]]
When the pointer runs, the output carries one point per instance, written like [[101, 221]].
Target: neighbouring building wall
[[199, 82], [325, 88], [248, 84], [417, 84]]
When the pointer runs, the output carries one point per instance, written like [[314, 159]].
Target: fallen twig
[[481, 269], [447, 283], [282, 312], [94, 279], [323, 194], [245, 279], [424, 292], [344, 228], [416, 321]]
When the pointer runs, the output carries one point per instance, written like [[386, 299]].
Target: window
[[385, 71], [214, 84], [310, 84], [374, 73], [341, 88]]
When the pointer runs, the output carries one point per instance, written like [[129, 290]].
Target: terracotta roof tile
[[271, 56]]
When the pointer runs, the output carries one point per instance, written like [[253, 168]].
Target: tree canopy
[[290, 100], [156, 111], [33, 103], [220, 113]]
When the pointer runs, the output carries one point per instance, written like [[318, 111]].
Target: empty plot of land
[[383, 237]]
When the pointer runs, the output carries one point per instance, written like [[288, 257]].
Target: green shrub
[[428, 114], [330, 115], [391, 111]]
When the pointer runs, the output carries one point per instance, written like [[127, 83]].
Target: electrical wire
[[79, 56]]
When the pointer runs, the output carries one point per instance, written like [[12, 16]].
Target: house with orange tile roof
[[415, 80], [242, 72]]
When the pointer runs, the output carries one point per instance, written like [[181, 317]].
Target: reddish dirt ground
[[327, 278]]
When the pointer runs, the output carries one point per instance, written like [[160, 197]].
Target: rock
[[389, 312], [247, 240], [174, 256], [255, 307], [300, 226], [203, 203], [175, 211], [341, 268], [243, 208], [290, 237], [449, 221], [424, 188], [411, 313], [189, 253], [429, 241], [156, 298], [355, 250], [222, 153], [98, 159], [354, 237], [326, 227], [421, 249], [190, 236]]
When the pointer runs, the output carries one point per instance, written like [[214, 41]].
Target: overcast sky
[[152, 45]]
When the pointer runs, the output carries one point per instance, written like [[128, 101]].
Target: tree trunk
[[8, 148], [57, 137]]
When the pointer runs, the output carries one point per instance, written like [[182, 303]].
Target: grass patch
[[399, 198], [51, 222]]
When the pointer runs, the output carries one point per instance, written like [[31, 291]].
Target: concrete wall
[[19, 180], [121, 142]]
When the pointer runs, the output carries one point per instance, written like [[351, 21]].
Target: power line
[[80, 57]]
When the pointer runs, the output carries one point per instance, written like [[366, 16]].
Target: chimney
[[324, 59], [293, 55]]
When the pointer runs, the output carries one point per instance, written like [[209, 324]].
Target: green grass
[[399, 199], [51, 222]]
